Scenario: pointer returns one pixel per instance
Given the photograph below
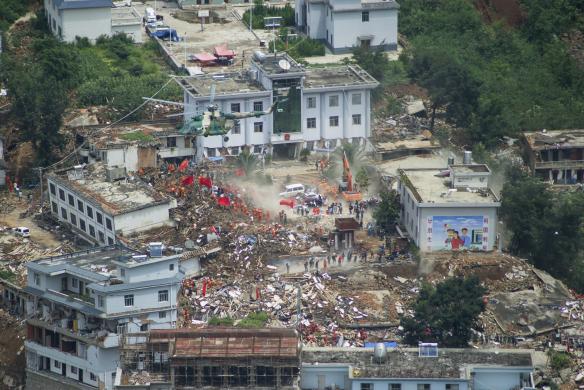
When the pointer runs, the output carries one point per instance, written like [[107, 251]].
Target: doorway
[[284, 151]]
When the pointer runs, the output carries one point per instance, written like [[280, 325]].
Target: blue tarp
[[166, 34], [388, 344]]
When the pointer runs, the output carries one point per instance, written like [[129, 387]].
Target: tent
[[223, 51], [167, 33], [204, 58]]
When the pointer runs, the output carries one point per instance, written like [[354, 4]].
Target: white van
[[22, 231], [292, 190], [149, 16]]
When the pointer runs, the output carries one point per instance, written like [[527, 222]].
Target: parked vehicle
[[22, 231], [292, 190]]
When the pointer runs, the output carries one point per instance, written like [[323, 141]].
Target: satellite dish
[[189, 244], [284, 65]]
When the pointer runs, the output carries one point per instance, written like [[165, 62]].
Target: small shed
[[344, 233]]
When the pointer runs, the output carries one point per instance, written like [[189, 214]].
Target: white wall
[[348, 26], [87, 22], [126, 156], [143, 219], [150, 271], [316, 14], [132, 30], [144, 298], [496, 380], [333, 376]]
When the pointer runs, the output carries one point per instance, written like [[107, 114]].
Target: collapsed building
[[135, 147], [79, 305], [210, 358], [555, 155], [100, 203], [449, 208]]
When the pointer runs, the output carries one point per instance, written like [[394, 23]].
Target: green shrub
[[137, 136], [260, 11], [254, 320], [220, 321], [559, 360]]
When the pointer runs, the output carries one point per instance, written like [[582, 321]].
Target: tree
[[247, 161], [445, 314], [524, 201], [387, 212], [354, 153], [362, 179]]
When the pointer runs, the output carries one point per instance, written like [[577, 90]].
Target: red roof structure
[[205, 57], [223, 51]]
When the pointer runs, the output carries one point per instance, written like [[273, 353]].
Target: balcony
[[176, 152], [562, 164]]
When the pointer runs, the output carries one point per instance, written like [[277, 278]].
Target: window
[[365, 16], [92, 377], [71, 200], [56, 364], [257, 149], [123, 272], [89, 212], [258, 106], [54, 192], [394, 386], [108, 224], [37, 279], [82, 224], [236, 129], [110, 241], [100, 301], [311, 123], [144, 328], [101, 237], [311, 102], [356, 99], [171, 267], [163, 296], [211, 152], [334, 101], [129, 300], [258, 127], [73, 219], [161, 314], [54, 207], [91, 231], [64, 213], [450, 386], [99, 217], [424, 386], [79, 205], [428, 349], [357, 119], [366, 43], [74, 282], [366, 386], [73, 370], [61, 194], [333, 121], [235, 107], [171, 142]]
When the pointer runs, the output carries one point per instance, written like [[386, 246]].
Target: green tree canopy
[[386, 213], [446, 313]]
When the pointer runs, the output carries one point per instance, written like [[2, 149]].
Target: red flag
[[287, 202], [205, 181], [171, 167], [183, 165], [223, 201], [188, 181]]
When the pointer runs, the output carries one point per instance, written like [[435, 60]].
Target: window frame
[[356, 95], [334, 121], [238, 105], [258, 125], [71, 200], [365, 17], [309, 122], [311, 102], [333, 99], [80, 206], [259, 104], [162, 294], [358, 117], [129, 298]]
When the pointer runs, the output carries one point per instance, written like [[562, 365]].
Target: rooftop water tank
[[380, 352], [467, 159]]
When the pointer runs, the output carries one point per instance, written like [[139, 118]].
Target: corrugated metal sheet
[[231, 342]]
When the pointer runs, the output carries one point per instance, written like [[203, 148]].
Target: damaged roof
[[345, 224], [555, 139], [115, 198], [231, 342]]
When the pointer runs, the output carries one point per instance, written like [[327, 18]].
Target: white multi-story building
[[90, 19], [344, 24], [320, 107], [98, 207], [79, 305], [451, 208]]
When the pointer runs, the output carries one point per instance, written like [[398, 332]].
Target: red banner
[[205, 181], [188, 181]]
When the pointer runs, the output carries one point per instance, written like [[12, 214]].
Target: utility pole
[[251, 16], [185, 46], [40, 169]]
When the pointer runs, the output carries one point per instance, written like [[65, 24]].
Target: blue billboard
[[453, 233]]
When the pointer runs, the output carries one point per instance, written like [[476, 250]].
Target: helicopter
[[215, 122]]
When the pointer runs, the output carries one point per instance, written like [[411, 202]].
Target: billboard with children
[[457, 233]]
